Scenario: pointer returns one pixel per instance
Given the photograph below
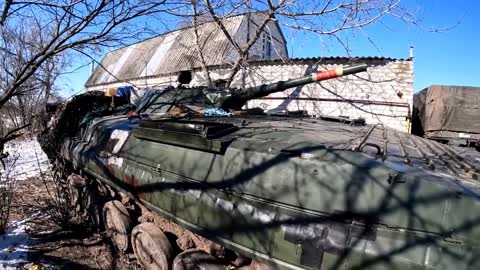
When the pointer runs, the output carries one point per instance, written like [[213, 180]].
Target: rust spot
[[129, 179], [132, 181], [112, 169]]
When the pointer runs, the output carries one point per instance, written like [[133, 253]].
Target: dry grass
[[53, 245], [7, 186]]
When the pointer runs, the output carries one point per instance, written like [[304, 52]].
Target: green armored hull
[[289, 192], [297, 193]]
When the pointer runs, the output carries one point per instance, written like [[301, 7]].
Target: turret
[[236, 99]]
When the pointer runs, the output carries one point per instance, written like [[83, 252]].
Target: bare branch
[[219, 22], [197, 44], [6, 9]]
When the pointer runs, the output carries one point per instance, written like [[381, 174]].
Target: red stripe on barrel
[[325, 75]]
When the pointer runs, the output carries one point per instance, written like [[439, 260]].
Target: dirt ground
[[52, 246], [36, 238]]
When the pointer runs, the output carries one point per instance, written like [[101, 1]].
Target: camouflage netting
[[69, 117]]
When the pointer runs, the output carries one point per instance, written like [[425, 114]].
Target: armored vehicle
[[189, 180]]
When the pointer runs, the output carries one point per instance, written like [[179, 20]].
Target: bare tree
[[7, 185], [330, 19], [35, 35], [198, 46]]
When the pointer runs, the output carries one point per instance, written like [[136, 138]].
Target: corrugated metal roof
[[333, 60], [342, 58], [336, 60], [174, 51], [167, 53]]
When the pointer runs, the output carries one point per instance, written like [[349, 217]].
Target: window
[[267, 46]]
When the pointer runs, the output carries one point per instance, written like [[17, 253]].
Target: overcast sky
[[448, 57]]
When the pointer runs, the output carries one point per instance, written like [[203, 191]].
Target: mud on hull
[[145, 237]]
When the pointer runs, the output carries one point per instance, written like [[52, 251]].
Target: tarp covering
[[446, 108]]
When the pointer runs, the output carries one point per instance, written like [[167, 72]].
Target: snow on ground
[[14, 244], [31, 161], [31, 158]]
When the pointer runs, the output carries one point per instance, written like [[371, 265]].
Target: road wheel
[[93, 208], [151, 247], [256, 266], [117, 224], [75, 186], [195, 259]]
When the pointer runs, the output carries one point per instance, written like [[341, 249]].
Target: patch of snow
[[31, 159], [9, 123], [14, 244]]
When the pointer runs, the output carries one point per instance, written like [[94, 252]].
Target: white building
[[383, 94]]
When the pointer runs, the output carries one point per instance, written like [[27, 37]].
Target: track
[[141, 237]]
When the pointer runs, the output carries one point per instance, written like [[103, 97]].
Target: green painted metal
[[297, 193]]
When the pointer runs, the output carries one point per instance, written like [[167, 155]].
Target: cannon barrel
[[240, 98]]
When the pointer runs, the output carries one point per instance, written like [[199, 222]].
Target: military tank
[[190, 180]]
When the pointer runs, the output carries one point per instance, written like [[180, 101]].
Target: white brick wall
[[382, 83]]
